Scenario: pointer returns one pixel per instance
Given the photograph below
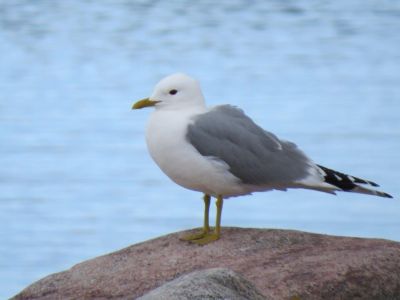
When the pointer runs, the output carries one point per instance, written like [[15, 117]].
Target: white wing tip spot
[[351, 178], [338, 177]]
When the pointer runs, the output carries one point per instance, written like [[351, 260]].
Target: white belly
[[180, 161]]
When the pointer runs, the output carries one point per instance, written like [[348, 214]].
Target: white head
[[174, 91]]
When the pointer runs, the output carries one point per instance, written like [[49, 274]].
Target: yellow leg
[[213, 236], [207, 200], [220, 203], [206, 226]]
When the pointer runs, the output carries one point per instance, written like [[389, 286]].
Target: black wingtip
[[386, 195], [350, 183], [383, 194], [375, 184], [363, 181]]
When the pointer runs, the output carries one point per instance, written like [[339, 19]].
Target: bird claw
[[208, 238], [195, 236], [202, 238]]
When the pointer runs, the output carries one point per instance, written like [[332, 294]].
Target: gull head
[[174, 91]]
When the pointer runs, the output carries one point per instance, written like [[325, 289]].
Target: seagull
[[222, 152]]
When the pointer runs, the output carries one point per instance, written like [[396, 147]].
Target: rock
[[217, 283], [281, 264]]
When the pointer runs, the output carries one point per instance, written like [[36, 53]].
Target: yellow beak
[[144, 103]]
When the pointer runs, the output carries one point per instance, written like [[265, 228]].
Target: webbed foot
[[195, 236], [208, 238]]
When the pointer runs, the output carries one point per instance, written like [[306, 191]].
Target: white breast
[[179, 160]]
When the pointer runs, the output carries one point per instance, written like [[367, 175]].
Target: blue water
[[76, 180]]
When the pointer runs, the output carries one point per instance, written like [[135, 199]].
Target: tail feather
[[350, 183]]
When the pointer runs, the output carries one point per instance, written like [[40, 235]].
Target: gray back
[[254, 155]]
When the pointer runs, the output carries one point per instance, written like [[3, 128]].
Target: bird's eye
[[173, 92]]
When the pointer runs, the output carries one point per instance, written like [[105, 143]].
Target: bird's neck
[[191, 109]]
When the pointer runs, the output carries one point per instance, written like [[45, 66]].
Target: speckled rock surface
[[217, 283], [279, 263]]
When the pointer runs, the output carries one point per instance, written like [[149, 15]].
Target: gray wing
[[254, 155]]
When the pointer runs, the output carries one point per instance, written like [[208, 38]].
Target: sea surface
[[76, 180]]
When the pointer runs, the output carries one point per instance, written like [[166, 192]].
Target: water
[[76, 180]]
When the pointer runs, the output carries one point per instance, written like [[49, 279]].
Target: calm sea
[[76, 180]]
